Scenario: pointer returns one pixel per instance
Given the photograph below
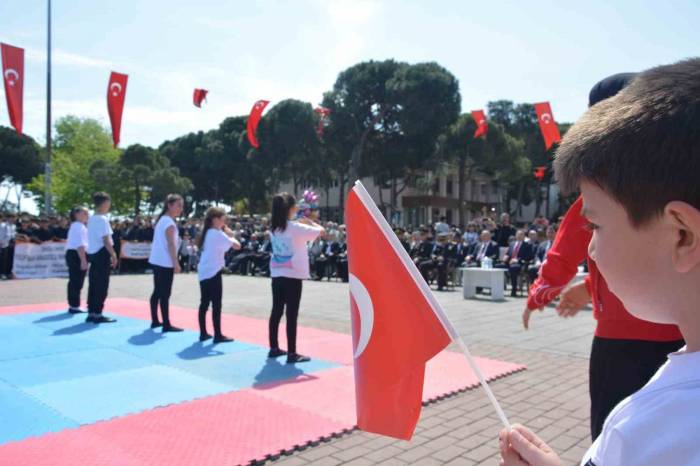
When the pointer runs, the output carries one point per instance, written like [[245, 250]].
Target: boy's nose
[[591, 248]]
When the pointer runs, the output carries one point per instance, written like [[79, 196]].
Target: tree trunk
[[341, 198], [356, 156], [548, 187], [7, 196], [394, 198], [381, 196], [521, 192], [538, 199], [137, 199], [19, 191], [461, 179]]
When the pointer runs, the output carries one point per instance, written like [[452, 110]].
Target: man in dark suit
[[424, 254], [342, 262], [461, 249], [484, 248], [541, 253], [443, 255], [519, 255], [504, 231]]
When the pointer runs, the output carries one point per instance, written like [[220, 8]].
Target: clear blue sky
[[243, 51]]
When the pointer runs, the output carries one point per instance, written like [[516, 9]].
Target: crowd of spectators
[[438, 249]]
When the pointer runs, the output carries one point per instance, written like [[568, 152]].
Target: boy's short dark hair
[[100, 198], [641, 146]]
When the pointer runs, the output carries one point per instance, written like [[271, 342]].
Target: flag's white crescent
[[116, 88], [10, 72], [546, 118], [366, 310]]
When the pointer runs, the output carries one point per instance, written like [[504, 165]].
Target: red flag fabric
[[540, 172], [199, 96], [254, 120], [13, 76], [116, 92], [397, 324], [322, 115], [482, 126], [549, 128]]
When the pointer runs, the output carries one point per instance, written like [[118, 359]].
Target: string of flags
[[13, 78]]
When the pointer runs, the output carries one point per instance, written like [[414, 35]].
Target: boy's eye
[[590, 226]]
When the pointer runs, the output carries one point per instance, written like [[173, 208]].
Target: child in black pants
[[102, 258], [216, 239]]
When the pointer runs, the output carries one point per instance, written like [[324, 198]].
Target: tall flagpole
[[47, 175]]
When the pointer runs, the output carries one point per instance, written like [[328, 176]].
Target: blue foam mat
[[90, 399], [56, 371], [250, 368], [23, 416], [25, 342], [27, 372]]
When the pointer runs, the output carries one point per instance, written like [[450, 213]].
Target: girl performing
[[289, 265], [215, 240], [163, 258]]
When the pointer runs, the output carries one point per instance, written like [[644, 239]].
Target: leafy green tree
[[360, 108], [20, 160], [498, 154], [520, 121], [426, 102], [289, 144], [388, 115], [79, 143]]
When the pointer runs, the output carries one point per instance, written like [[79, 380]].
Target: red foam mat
[[228, 429], [237, 427], [332, 392]]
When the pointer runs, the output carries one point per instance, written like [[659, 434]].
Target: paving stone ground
[[551, 396]]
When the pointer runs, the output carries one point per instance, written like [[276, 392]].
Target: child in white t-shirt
[[289, 265], [163, 259], [215, 240], [76, 256], [636, 159], [102, 258]]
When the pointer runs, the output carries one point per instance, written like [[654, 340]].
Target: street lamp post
[[47, 173]]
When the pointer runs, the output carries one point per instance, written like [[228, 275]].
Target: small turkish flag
[[116, 92], [199, 96], [482, 126], [13, 76], [397, 325], [549, 128]]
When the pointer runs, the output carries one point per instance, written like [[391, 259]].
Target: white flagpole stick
[[483, 382], [429, 296]]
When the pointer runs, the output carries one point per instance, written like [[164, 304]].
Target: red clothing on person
[[570, 248]]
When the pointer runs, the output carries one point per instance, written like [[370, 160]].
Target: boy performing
[[102, 258]]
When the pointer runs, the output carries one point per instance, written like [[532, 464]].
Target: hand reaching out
[[521, 447], [573, 300], [526, 315]]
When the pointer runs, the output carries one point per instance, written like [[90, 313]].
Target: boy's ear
[[685, 221]]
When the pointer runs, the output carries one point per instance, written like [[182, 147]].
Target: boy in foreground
[[636, 159]]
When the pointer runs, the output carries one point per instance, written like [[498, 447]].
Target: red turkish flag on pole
[[482, 126], [397, 324], [13, 75], [549, 128], [254, 120], [199, 96], [116, 92]]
